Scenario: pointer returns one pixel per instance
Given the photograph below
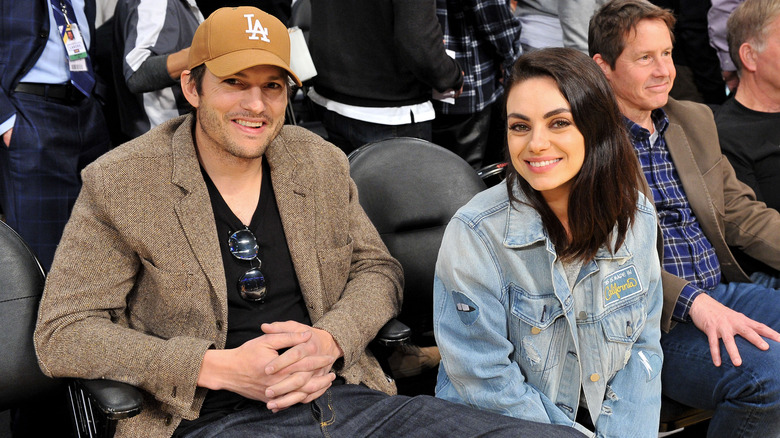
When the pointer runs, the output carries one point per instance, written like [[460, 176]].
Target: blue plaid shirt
[[486, 40], [687, 252]]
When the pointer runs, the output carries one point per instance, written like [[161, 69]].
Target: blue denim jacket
[[516, 339]]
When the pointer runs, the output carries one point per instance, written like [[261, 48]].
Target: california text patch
[[621, 284]]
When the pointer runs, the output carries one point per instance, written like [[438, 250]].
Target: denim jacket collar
[[524, 228]]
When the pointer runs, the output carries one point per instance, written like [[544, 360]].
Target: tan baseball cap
[[234, 39]]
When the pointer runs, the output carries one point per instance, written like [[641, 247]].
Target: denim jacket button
[[535, 330], [582, 315], [629, 331], [594, 377]]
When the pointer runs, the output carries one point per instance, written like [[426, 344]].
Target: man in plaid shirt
[[485, 39], [709, 301]]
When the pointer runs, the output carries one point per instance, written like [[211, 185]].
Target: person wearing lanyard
[[51, 123]]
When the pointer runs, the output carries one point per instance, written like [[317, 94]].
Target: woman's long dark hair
[[604, 192]]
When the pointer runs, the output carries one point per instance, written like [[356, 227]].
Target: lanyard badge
[[74, 42]]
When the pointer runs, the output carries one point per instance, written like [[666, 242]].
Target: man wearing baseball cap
[[222, 264]]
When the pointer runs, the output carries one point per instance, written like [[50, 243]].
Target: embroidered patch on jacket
[[467, 309], [651, 363], [621, 284]]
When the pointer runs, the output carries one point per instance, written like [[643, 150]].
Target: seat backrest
[[410, 189], [21, 286]]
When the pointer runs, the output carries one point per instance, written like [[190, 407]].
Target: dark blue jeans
[[352, 411], [746, 399]]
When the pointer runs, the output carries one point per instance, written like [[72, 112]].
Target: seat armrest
[[393, 332], [493, 173], [116, 400]]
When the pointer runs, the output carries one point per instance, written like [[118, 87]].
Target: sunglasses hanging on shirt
[[243, 246]]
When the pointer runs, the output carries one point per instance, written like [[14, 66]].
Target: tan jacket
[[137, 291], [726, 208]]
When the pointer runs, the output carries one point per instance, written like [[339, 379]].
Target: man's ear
[[603, 65], [748, 55], [189, 88]]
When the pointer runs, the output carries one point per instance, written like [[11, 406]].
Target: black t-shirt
[[283, 302], [751, 141]]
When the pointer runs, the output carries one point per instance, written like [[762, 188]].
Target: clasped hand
[[256, 370]]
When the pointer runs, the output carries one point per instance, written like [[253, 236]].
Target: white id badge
[[74, 43]]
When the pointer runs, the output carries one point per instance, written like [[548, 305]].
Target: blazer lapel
[[693, 182], [194, 211], [297, 208]]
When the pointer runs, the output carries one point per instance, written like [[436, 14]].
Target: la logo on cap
[[256, 29]]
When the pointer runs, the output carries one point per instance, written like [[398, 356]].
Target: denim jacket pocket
[[538, 326], [622, 327]]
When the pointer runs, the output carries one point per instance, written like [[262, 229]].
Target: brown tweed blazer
[[137, 290], [726, 208]]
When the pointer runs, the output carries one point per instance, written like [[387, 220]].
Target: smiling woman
[[558, 267], [572, 116], [545, 146]]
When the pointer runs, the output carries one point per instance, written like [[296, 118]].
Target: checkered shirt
[[687, 252], [486, 39]]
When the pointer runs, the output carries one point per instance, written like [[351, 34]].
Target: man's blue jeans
[[352, 411], [746, 399]]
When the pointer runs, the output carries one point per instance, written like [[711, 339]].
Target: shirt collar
[[638, 133], [524, 226]]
